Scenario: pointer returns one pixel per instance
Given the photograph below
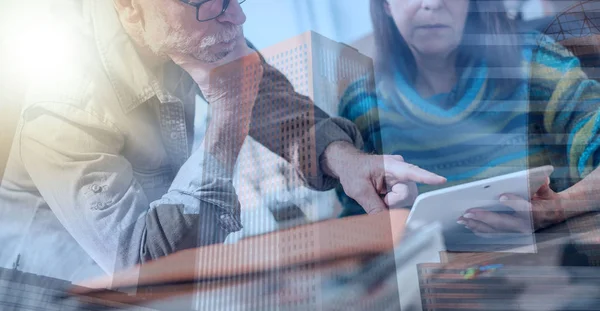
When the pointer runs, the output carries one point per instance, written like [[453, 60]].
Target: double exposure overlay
[[300, 155]]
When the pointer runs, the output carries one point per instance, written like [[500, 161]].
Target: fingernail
[[503, 198], [469, 215], [461, 222]]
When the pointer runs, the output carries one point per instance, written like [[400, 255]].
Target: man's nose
[[234, 14]]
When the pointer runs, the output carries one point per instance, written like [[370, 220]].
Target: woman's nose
[[431, 4]]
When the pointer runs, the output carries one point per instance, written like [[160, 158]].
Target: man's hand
[[230, 86], [366, 178], [546, 206], [201, 71], [232, 82]]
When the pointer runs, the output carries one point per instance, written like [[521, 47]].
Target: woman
[[460, 94]]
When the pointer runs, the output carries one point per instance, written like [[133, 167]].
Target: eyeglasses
[[209, 9]]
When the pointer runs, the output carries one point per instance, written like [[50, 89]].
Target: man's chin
[[213, 55], [221, 55], [219, 51]]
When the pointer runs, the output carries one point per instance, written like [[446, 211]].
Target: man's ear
[[129, 11]]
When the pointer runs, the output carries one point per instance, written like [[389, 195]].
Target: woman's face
[[430, 27]]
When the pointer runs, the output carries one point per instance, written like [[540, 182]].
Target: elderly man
[[102, 174]]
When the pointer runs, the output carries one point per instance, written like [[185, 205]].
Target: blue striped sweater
[[551, 117]]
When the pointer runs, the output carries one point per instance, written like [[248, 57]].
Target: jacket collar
[[132, 80]]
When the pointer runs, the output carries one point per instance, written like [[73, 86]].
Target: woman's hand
[[546, 207]]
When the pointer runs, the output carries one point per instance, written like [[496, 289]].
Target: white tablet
[[447, 205]]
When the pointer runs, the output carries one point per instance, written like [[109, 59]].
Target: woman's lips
[[432, 29], [434, 26]]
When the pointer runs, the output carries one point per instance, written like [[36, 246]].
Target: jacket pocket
[[155, 183]]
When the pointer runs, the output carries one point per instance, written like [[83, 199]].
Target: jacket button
[[96, 188]]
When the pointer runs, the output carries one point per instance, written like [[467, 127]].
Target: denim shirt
[[101, 174]]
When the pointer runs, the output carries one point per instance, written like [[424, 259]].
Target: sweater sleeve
[[567, 103]]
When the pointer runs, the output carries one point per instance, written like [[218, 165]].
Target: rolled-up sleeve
[[292, 126], [74, 160], [200, 208]]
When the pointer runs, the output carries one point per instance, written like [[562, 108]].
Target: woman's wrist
[[574, 203]]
